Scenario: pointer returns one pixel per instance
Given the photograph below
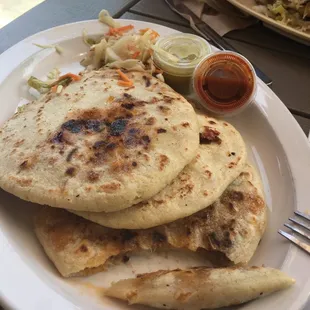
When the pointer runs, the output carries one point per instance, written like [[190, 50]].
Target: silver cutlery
[[300, 225]]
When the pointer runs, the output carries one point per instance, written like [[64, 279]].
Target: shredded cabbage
[[123, 47], [128, 64], [293, 13], [54, 74], [306, 11], [99, 51], [41, 86], [126, 48], [59, 89], [105, 18], [278, 9], [111, 56], [58, 49], [21, 108], [87, 40], [160, 77]]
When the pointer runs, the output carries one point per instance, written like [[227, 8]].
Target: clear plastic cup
[[224, 82], [189, 49]]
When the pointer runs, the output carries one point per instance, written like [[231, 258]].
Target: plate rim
[[285, 133], [271, 22]]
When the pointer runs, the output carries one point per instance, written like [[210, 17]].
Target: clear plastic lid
[[188, 49]]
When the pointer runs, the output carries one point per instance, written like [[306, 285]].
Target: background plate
[[276, 145], [297, 35]]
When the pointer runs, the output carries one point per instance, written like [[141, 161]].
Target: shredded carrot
[[143, 31], [74, 77], [125, 84], [124, 28], [54, 88], [135, 55], [125, 81], [123, 76], [158, 70], [155, 34], [120, 30], [111, 31]]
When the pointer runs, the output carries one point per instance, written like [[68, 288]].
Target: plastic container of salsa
[[224, 82], [187, 51]]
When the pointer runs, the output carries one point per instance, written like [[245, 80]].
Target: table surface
[[285, 61]]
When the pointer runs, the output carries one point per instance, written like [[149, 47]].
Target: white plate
[[295, 34], [276, 144]]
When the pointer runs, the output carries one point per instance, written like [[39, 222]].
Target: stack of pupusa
[[138, 161]]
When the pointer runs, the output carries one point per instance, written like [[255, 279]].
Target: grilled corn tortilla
[[233, 226], [98, 146], [220, 159], [200, 288]]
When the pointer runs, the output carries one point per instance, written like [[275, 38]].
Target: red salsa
[[225, 82]]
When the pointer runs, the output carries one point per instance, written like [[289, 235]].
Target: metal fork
[[298, 223]]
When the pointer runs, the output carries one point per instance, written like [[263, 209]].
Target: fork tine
[[298, 230], [302, 245], [296, 221], [304, 215]]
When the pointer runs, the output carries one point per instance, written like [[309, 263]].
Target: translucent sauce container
[[187, 51], [225, 82]]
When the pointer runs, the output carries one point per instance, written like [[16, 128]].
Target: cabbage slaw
[[294, 13], [122, 47]]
